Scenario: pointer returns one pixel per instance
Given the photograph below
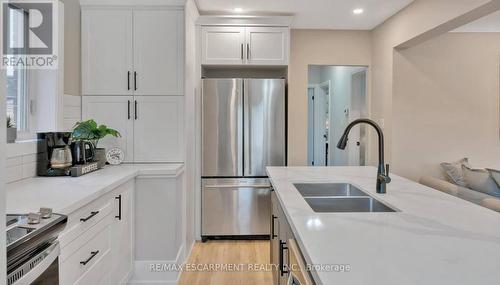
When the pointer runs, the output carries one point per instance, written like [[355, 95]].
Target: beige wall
[[446, 103], [321, 47], [72, 76], [420, 20]]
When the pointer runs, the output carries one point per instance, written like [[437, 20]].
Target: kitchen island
[[431, 238]]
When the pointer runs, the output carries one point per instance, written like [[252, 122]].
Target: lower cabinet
[[96, 246], [122, 235], [282, 242]]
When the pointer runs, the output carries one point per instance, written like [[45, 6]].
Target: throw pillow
[[481, 181], [495, 174], [454, 172]]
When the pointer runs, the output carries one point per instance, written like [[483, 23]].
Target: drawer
[[95, 245], [83, 220], [98, 273]]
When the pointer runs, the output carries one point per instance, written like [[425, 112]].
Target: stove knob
[[34, 218], [46, 213]]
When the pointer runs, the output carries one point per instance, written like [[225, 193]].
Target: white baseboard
[[143, 275]]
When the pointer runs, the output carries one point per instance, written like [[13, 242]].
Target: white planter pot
[[11, 135]]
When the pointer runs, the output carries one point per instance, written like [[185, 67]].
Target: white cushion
[[480, 180], [454, 171]]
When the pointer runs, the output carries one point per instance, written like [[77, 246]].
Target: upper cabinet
[[106, 52], [267, 45], [222, 45], [132, 51], [158, 52]]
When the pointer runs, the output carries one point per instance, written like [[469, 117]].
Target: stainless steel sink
[[339, 197], [347, 204], [328, 189]]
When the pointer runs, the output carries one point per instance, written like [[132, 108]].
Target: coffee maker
[[54, 156]]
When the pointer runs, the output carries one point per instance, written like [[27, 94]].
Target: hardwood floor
[[228, 262]]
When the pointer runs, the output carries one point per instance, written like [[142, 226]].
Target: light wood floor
[[242, 253]]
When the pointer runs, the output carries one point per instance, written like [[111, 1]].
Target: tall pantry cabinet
[[132, 78]]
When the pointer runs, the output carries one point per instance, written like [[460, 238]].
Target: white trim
[[250, 21], [132, 2]]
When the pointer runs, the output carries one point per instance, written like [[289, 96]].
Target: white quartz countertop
[[435, 238], [67, 194]]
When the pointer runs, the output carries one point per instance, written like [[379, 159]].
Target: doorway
[[336, 96]]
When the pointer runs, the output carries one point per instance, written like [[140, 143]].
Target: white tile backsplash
[[23, 166]]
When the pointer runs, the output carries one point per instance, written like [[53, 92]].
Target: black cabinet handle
[[119, 198], [92, 214], [135, 109], [92, 255], [128, 109], [248, 51], [128, 80], [283, 247], [241, 51], [272, 227], [135, 80]]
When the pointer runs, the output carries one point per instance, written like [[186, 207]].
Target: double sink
[[339, 197]]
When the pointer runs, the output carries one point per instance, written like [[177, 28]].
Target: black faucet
[[383, 170]]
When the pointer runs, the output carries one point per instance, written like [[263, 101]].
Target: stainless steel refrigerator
[[243, 131]]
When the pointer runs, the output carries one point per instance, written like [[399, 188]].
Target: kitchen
[[182, 151]]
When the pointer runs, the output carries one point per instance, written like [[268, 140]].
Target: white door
[[121, 234], [158, 129], [223, 45], [267, 45], [117, 113], [106, 52], [158, 52]]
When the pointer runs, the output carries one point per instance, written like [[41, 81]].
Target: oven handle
[[49, 255]]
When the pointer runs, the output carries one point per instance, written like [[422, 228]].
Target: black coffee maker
[[54, 156]]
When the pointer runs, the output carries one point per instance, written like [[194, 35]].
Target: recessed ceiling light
[[238, 10], [358, 11]]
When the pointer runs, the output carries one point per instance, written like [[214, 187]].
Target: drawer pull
[[92, 214], [119, 198], [92, 255]]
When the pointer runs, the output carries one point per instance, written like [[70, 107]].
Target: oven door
[[40, 267]]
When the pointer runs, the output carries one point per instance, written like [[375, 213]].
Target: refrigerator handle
[[241, 144], [247, 152]]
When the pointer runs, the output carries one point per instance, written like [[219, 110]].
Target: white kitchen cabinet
[[106, 52], [245, 45], [158, 129], [223, 45], [132, 51], [151, 126], [122, 234], [116, 112], [158, 52], [267, 45]]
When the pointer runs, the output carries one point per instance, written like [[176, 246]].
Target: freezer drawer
[[222, 123], [235, 207]]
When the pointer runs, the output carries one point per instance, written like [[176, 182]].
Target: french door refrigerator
[[243, 131]]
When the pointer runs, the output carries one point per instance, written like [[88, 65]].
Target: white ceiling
[[489, 23], [313, 14]]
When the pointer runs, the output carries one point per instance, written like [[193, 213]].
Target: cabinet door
[[116, 113], [158, 129], [121, 234], [267, 45], [223, 45], [158, 52], [275, 241], [106, 52]]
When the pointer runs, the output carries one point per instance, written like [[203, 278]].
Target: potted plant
[[11, 131], [92, 132]]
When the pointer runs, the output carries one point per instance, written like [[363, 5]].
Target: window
[[18, 101]]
